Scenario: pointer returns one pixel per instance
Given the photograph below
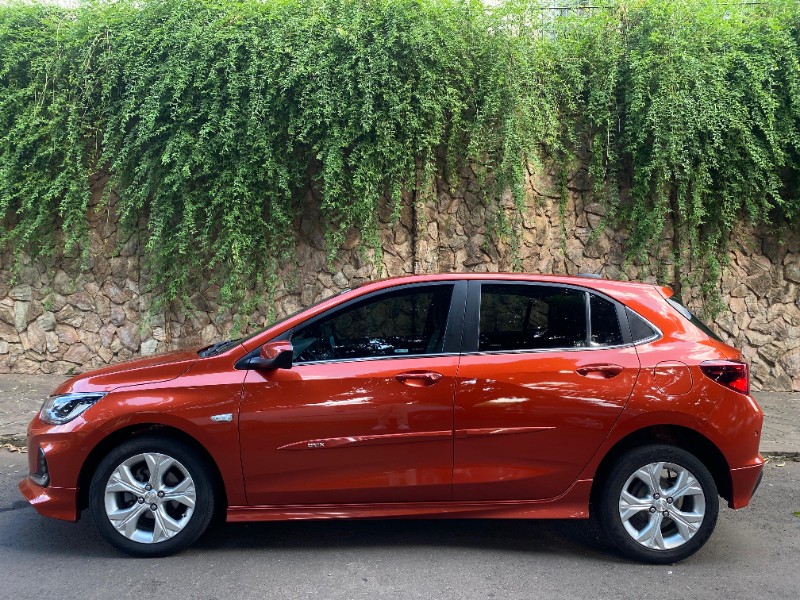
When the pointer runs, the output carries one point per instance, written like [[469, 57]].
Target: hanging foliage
[[214, 118]]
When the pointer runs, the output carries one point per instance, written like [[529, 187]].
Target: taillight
[[729, 373]]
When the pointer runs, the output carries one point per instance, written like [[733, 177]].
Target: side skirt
[[573, 504]]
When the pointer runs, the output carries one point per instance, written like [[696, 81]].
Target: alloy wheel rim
[[150, 497], [662, 505]]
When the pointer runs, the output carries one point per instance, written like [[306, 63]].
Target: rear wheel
[[659, 504], [151, 496]]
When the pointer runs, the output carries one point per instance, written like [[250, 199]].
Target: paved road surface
[[754, 553]]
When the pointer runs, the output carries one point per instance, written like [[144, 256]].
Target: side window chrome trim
[[545, 350], [653, 338], [373, 358]]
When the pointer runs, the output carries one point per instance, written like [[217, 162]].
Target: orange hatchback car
[[453, 395]]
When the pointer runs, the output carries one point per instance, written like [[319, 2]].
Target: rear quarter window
[[641, 330]]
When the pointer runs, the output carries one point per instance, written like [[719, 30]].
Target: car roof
[[589, 281], [645, 298]]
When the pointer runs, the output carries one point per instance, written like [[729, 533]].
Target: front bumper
[[55, 502], [63, 455], [63, 450]]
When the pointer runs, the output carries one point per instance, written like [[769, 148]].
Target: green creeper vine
[[216, 118]]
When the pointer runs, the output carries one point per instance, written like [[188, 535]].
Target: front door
[[365, 414]]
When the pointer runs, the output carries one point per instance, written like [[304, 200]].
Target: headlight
[[58, 410]]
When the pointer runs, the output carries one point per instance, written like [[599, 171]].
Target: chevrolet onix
[[455, 395]]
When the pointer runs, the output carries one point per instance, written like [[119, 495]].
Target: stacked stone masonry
[[68, 315]]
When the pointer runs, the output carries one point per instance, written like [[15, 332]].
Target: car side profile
[[450, 395]]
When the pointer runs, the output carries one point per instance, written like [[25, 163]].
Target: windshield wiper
[[218, 348]]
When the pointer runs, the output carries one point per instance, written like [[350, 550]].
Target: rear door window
[[605, 329], [536, 317], [531, 317]]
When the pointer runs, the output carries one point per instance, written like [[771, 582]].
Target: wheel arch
[[124, 434], [680, 436]]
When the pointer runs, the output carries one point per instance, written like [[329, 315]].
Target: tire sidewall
[[634, 459], [204, 501]]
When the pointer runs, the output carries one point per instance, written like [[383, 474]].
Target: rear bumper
[[745, 482], [54, 502]]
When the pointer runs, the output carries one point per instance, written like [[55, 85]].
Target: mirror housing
[[274, 355]]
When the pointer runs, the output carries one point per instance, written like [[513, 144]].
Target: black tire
[[187, 468], [672, 543]]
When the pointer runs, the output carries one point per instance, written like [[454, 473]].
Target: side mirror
[[274, 355]]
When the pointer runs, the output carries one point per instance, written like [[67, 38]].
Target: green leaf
[[222, 124]]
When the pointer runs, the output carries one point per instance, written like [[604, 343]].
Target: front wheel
[[659, 504], [151, 496]]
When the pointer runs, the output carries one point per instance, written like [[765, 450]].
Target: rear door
[[546, 371]]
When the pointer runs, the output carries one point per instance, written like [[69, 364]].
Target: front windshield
[[221, 347]]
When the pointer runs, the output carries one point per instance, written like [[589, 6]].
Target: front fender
[[179, 409]]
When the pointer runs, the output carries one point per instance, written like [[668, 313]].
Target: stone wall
[[58, 318]]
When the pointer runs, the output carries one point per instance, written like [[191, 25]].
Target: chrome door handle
[[599, 371], [418, 378]]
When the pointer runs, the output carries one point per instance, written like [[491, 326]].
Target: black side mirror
[[274, 355]]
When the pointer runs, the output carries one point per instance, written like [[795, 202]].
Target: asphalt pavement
[[752, 554]]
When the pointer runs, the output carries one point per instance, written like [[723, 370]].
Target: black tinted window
[[640, 330], [402, 323], [522, 317], [605, 323]]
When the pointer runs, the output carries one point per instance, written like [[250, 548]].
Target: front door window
[[407, 322]]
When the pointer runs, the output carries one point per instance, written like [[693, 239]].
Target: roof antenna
[[595, 275]]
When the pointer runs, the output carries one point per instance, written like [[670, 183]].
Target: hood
[[152, 369]]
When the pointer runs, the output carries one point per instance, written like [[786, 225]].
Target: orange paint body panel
[[54, 502], [449, 431], [564, 418], [359, 435]]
